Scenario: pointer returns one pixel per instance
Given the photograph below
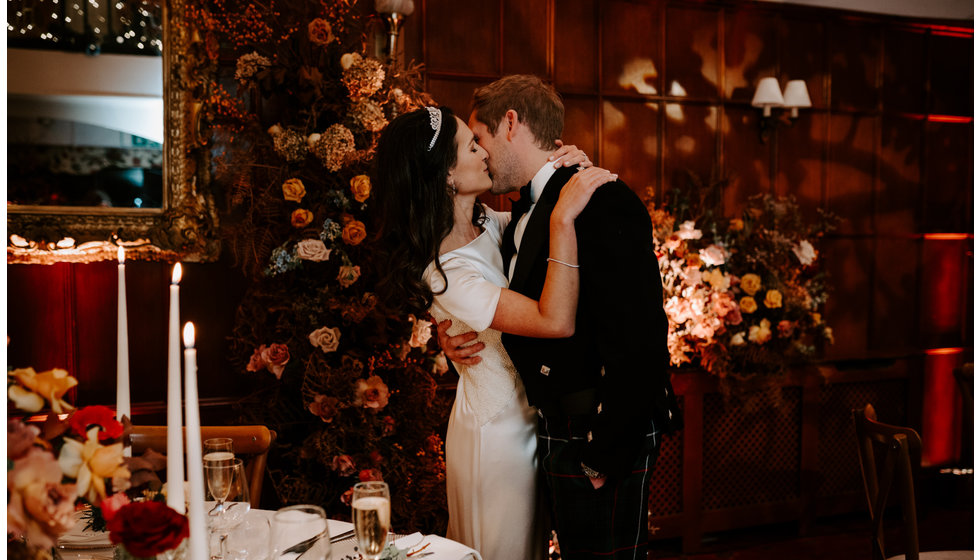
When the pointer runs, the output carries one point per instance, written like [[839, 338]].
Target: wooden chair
[[251, 444], [899, 448]]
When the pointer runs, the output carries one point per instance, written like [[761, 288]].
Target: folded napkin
[[78, 537], [441, 548]]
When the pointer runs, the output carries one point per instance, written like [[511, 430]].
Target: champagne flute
[[218, 449], [228, 491], [299, 530], [371, 507]]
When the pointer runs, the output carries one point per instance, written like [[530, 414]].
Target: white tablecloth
[[250, 541]]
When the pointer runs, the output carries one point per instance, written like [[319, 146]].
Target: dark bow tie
[[523, 204]]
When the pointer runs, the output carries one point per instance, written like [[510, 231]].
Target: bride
[[443, 257]]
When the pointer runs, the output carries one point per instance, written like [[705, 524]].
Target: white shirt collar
[[541, 179]]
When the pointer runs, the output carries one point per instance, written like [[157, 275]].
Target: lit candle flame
[[176, 276], [188, 335], [121, 254]]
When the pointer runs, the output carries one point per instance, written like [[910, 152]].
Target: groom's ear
[[511, 121]]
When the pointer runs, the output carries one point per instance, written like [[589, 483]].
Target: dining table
[[250, 541]]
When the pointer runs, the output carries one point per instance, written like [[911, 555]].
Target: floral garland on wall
[[743, 295], [349, 388]]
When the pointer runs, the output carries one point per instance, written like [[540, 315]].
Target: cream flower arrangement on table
[[743, 295]]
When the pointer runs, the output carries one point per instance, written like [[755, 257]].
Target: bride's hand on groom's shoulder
[[458, 348]]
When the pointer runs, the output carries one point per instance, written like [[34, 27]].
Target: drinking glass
[[299, 531], [218, 449], [371, 507], [227, 499]]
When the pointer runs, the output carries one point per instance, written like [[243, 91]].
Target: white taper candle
[[175, 441], [198, 545]]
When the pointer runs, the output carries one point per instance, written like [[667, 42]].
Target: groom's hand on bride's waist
[[458, 348]]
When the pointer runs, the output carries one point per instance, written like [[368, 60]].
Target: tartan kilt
[[609, 523]]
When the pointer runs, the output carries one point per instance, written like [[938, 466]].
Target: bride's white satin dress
[[491, 461]]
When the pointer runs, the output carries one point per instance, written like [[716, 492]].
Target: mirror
[[116, 136]]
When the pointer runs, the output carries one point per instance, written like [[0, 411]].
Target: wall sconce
[[767, 96], [394, 13]]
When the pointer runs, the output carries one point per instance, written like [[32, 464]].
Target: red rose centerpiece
[[146, 529]]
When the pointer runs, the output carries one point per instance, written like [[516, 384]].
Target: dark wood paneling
[[455, 94], [580, 125], [802, 56], [689, 141], [526, 41], [632, 56], [453, 34], [893, 323], [746, 159], [40, 317], [900, 157], [942, 305], [850, 185], [951, 75], [748, 57], [855, 50], [848, 309], [948, 204], [576, 44], [629, 142], [904, 76], [691, 59], [800, 169]]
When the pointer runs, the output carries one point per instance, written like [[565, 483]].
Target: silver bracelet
[[569, 265]]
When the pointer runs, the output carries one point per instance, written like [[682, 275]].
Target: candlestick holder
[[394, 13]]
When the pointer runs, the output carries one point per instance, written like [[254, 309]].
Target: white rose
[[275, 130], [312, 250], [440, 365], [687, 231], [712, 255], [349, 59], [738, 339], [805, 253], [312, 139], [325, 338], [421, 333]]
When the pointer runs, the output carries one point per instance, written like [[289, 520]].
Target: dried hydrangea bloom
[[250, 64], [369, 115], [334, 147]]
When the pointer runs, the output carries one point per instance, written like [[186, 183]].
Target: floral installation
[[74, 457], [743, 295], [349, 388]]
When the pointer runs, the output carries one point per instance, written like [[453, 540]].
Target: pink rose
[[371, 393], [347, 275], [368, 475], [347, 496], [388, 426], [20, 438], [344, 465], [326, 339], [785, 328], [112, 504], [256, 362], [421, 333], [275, 356], [39, 507], [376, 459]]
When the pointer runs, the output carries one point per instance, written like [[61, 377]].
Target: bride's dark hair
[[414, 206]]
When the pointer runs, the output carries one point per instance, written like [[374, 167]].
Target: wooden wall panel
[[462, 40], [749, 56], [746, 160], [576, 45], [854, 61], [526, 43], [691, 58], [942, 305], [894, 326], [632, 54], [630, 142], [850, 185], [948, 204], [95, 327], [455, 94], [802, 56], [904, 75], [848, 309], [950, 75], [689, 141], [581, 116], [899, 194], [40, 317], [800, 168]]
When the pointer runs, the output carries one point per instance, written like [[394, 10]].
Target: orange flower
[[371, 393], [354, 232], [301, 217], [747, 304], [360, 185], [51, 385], [293, 190]]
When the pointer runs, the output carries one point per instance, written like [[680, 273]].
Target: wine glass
[[371, 507], [299, 531], [218, 449], [227, 498]]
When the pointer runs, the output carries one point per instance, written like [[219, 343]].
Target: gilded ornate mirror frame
[[185, 228]]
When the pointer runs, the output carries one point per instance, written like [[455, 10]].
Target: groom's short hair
[[537, 104]]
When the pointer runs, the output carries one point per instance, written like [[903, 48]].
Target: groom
[[603, 396]]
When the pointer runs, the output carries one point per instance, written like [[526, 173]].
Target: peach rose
[[326, 339], [421, 333], [785, 328], [320, 32], [347, 275], [312, 250], [760, 333], [773, 300], [751, 283], [354, 232], [325, 407], [718, 280], [747, 304], [360, 185], [736, 224], [275, 356], [293, 190], [343, 464], [371, 393], [301, 217], [388, 424], [39, 507]]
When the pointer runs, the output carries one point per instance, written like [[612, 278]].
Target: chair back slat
[[251, 444]]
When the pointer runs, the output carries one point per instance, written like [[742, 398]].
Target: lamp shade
[[404, 7], [767, 95], [796, 96]]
